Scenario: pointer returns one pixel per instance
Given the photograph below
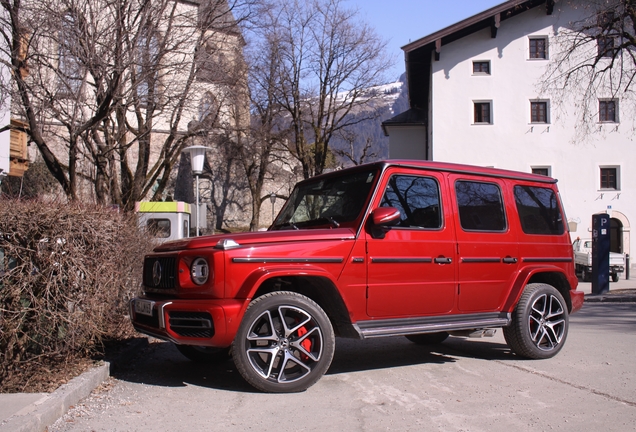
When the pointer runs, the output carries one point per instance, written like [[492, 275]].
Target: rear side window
[[538, 210], [480, 206], [417, 198]]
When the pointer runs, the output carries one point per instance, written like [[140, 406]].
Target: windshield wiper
[[320, 221], [286, 225], [309, 223]]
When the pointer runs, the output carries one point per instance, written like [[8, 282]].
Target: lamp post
[[197, 157], [272, 199]]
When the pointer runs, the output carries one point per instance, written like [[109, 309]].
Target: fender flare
[[522, 279], [255, 279]]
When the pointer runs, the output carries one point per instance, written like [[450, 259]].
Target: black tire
[[614, 277], [540, 323], [202, 354], [428, 338], [285, 343]]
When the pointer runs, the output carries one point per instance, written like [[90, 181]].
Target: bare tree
[[43, 41], [121, 86], [593, 59], [264, 144], [187, 63], [357, 156], [327, 62]]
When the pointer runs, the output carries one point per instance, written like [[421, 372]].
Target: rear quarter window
[[538, 210]]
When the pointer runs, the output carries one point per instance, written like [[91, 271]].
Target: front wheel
[[539, 324], [614, 277], [284, 344]]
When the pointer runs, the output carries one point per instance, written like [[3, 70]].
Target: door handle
[[443, 260], [510, 260]]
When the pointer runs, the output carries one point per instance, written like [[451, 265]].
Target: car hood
[[224, 241]]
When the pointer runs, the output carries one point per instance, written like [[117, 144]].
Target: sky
[[404, 21]]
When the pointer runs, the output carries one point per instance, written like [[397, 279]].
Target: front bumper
[[211, 323], [577, 298]]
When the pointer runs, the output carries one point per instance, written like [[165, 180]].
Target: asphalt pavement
[[37, 411]]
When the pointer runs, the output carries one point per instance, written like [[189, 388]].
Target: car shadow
[[160, 364]]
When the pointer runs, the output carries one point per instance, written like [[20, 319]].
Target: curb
[[609, 298], [53, 406]]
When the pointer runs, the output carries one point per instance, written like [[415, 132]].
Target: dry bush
[[67, 273]]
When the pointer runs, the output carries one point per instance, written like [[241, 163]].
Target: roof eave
[[462, 24]]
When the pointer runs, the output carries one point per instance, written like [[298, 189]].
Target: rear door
[[488, 251], [411, 270], [543, 237]]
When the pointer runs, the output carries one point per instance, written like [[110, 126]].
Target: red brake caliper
[[306, 343]]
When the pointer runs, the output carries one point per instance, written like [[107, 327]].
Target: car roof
[[443, 166]]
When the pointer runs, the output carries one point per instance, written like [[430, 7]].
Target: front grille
[[192, 324], [160, 272]]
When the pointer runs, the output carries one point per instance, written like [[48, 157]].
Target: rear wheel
[[614, 277], [428, 338], [539, 323], [202, 354], [285, 343]]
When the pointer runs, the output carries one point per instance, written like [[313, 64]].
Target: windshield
[[329, 201]]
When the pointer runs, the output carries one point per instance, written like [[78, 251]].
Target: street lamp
[[197, 157], [272, 199]]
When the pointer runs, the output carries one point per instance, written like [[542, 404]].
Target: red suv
[[419, 249]]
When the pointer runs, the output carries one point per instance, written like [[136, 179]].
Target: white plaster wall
[[511, 141], [407, 142]]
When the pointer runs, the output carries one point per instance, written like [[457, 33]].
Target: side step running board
[[406, 326]]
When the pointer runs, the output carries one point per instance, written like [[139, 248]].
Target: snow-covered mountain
[[365, 141]]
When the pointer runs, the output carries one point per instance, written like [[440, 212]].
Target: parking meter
[[600, 253]]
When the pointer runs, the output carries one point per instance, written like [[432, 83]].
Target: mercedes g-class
[[418, 249]]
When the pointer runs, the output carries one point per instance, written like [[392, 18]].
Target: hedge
[[67, 272]]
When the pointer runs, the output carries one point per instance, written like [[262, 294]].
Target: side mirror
[[382, 219], [385, 216]]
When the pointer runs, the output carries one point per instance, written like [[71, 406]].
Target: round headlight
[[199, 271]]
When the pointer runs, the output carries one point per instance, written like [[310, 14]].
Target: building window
[[544, 171], [208, 108], [606, 46], [209, 60], [483, 113], [158, 228], [70, 70], [481, 68], [539, 48], [605, 19], [539, 112], [147, 70], [609, 178], [607, 111]]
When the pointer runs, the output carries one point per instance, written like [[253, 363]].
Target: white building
[[474, 90]]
